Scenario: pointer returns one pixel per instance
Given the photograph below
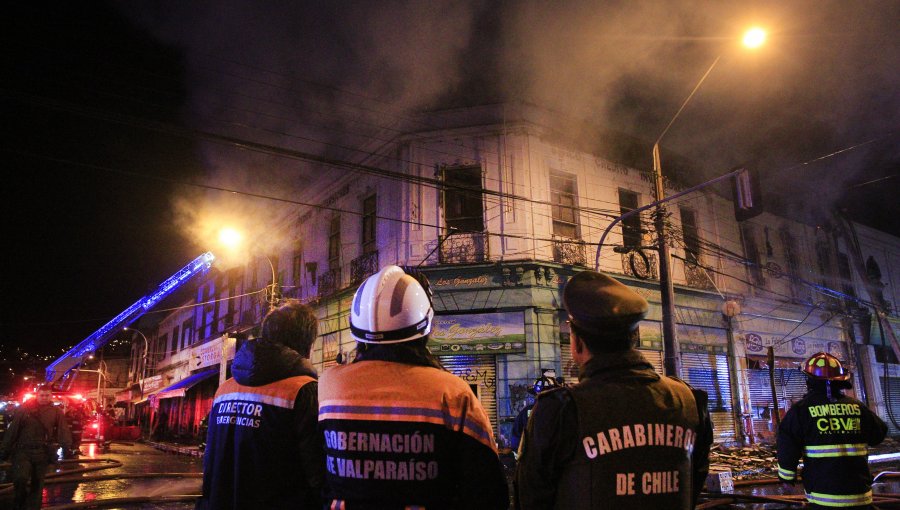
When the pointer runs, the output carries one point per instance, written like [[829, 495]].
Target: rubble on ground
[[744, 462]]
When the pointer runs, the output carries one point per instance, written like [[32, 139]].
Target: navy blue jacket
[[832, 437], [262, 449]]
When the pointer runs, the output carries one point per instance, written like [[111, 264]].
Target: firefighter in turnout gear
[[832, 433], [624, 437], [401, 432], [540, 384], [37, 430], [262, 447]]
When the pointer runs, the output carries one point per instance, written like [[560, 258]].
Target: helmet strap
[[828, 391]]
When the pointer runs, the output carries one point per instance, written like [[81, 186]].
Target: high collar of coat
[[611, 362]]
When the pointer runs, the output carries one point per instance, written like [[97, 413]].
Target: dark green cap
[[598, 304]]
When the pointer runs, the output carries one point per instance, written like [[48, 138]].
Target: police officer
[[831, 432], [400, 432], [263, 450], [540, 384], [624, 436], [37, 429]]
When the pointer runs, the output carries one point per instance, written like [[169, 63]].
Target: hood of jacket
[[260, 362]]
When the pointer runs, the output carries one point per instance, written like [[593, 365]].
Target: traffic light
[[746, 196]]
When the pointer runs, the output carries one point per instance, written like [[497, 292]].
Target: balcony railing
[[363, 266], [640, 264], [329, 282], [462, 248], [569, 251], [697, 277]]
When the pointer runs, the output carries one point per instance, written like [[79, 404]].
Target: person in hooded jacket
[[262, 448]]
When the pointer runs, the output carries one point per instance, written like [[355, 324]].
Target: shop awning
[[180, 388]]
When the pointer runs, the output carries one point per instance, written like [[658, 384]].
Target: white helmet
[[390, 307]]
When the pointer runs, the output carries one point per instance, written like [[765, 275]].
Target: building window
[[751, 252], [792, 261], [334, 243], [691, 235], [173, 345], [631, 226], [564, 200], [187, 330], [463, 209], [297, 265], [368, 224], [161, 347]]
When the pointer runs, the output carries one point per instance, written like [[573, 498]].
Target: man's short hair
[[43, 387], [293, 325]]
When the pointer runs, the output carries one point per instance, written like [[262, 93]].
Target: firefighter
[[262, 448], [624, 437], [75, 418], [37, 430], [540, 384], [831, 432], [400, 432]]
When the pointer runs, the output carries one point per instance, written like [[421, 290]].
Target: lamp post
[[753, 38], [144, 357]]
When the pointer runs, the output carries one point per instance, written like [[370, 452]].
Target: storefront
[[756, 334]]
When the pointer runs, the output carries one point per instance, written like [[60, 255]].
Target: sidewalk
[[175, 448]]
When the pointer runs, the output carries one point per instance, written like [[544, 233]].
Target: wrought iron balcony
[[640, 264], [697, 277], [363, 266], [569, 251], [462, 248], [329, 282]]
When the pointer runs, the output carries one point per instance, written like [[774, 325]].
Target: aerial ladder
[[57, 373]]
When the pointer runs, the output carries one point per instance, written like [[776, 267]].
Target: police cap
[[599, 305]]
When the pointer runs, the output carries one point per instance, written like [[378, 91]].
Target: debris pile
[[745, 463]]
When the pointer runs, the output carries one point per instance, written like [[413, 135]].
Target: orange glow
[[755, 37], [27, 396]]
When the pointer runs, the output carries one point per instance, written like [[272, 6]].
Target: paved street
[[135, 459]]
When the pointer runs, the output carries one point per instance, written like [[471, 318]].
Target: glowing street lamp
[[753, 38], [232, 238]]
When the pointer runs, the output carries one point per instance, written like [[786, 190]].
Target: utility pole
[[672, 362]]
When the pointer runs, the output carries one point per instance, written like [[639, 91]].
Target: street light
[[753, 38], [144, 362], [231, 238]]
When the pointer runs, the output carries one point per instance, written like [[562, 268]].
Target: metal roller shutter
[[890, 388], [568, 368], [655, 358], [709, 372], [790, 386], [480, 373]]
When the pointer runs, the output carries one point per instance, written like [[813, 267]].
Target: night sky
[[105, 106]]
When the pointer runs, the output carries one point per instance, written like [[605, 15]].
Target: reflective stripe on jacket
[[253, 454], [832, 437], [401, 436]]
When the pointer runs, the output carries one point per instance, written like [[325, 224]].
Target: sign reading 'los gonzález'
[[483, 333]]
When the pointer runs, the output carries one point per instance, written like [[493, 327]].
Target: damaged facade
[[499, 211]]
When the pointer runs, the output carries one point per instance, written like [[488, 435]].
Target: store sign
[[463, 281], [211, 352], [152, 383], [759, 343], [483, 333]]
